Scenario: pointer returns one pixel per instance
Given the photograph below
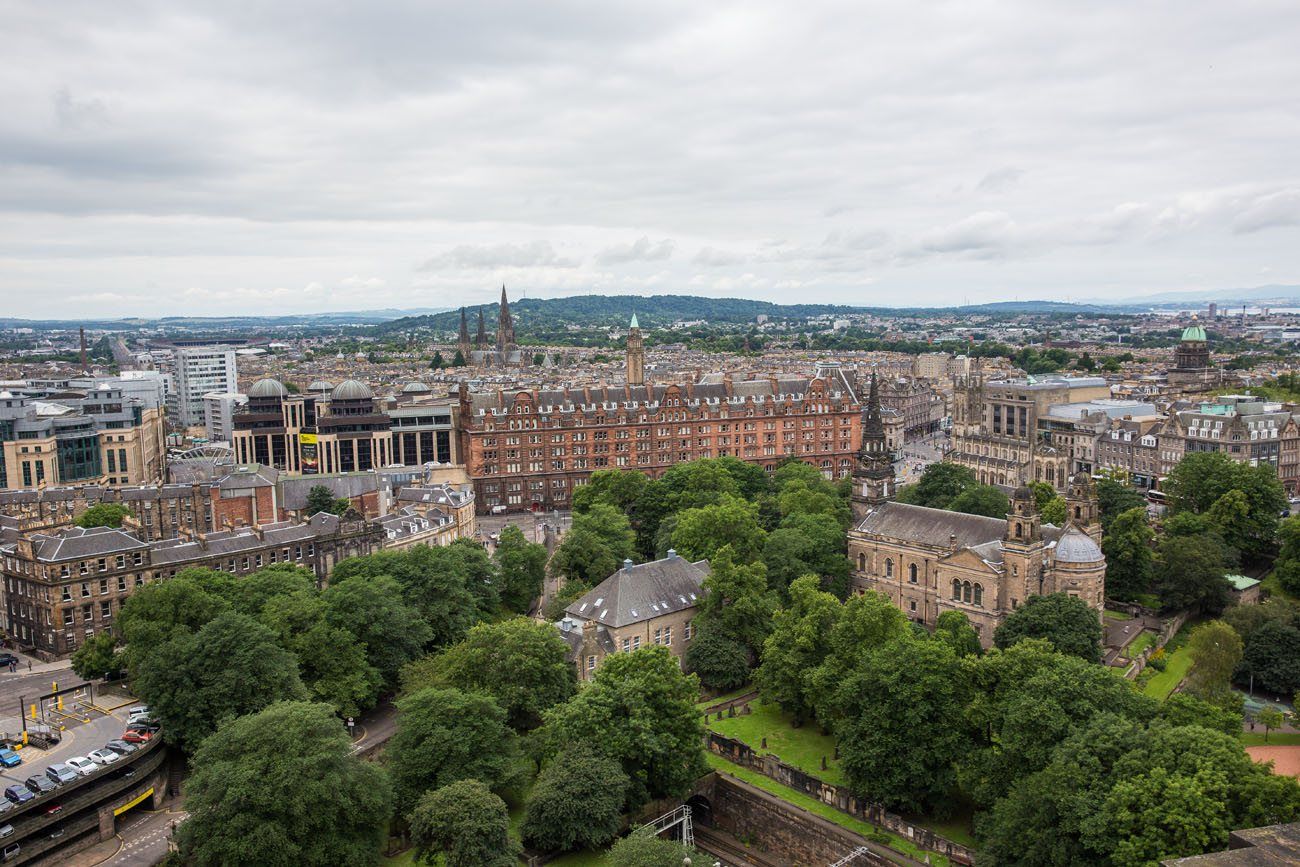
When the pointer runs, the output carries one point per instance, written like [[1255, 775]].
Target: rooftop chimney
[[672, 554], [627, 563]]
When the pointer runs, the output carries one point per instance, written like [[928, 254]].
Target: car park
[[11, 851], [61, 773], [6, 831], [103, 756], [39, 785], [5, 806], [18, 794], [137, 736], [10, 759], [53, 808], [81, 765], [138, 709], [121, 747]]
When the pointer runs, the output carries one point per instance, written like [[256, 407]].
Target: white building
[[218, 407], [199, 371]]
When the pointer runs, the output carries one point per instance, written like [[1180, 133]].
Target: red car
[[53, 808], [133, 736]]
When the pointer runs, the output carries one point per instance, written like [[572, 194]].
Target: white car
[[103, 756], [81, 765]]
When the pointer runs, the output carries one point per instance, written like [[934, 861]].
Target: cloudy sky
[[176, 157]]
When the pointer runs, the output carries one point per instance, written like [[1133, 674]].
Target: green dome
[[1194, 332]]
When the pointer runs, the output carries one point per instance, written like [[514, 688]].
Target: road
[[142, 841], [531, 523], [921, 452]]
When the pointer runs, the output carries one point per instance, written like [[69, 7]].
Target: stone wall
[[838, 797]]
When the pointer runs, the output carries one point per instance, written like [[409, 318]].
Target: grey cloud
[[640, 250], [999, 179], [711, 257], [1268, 211], [485, 257]]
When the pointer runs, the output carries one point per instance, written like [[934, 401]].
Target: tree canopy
[[577, 801], [238, 801], [464, 823], [1066, 622], [103, 515]]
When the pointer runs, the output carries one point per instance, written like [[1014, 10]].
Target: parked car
[[41, 785], [138, 709], [121, 747], [61, 773], [8, 658], [18, 794], [5, 806], [144, 726], [53, 808], [11, 851], [56, 833], [10, 759], [6, 831], [81, 765], [103, 756], [137, 736]]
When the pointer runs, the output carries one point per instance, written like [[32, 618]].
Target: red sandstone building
[[529, 449]]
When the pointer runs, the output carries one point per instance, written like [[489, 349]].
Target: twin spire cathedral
[[506, 352]]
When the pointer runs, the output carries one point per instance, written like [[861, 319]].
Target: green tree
[[907, 686], [643, 849], [435, 582], [701, 532], [736, 602], [570, 591], [445, 735], [458, 360], [1273, 657], [1066, 622], [321, 499], [522, 567], [640, 709], [252, 593], [983, 500], [954, 629], [462, 824], [1185, 709], [799, 642], [807, 545], [1189, 573], [577, 802], [371, 610], [520, 663], [230, 667], [620, 489], [1127, 546], [103, 515], [720, 662], [161, 610], [236, 794], [867, 622], [438, 362], [333, 666], [1215, 649], [1202, 479], [1114, 498], [1270, 718], [98, 657], [938, 486], [595, 546]]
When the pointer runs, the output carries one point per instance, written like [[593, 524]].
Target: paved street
[[531, 523], [920, 453], [143, 838]]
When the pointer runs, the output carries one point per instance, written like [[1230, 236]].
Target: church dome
[[267, 388], [1022, 493], [1077, 547], [321, 385], [1194, 332], [415, 388], [351, 389]]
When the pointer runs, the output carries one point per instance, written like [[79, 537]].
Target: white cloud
[[640, 250], [488, 257]]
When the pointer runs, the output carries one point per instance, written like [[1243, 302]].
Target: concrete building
[[197, 371], [928, 561], [218, 411], [1243, 427], [65, 436], [650, 604]]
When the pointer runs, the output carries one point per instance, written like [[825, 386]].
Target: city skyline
[[180, 159]]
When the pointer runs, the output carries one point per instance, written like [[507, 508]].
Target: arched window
[[979, 594], [911, 573], [1017, 531], [862, 562], [956, 589], [1078, 513], [889, 568], [965, 591]]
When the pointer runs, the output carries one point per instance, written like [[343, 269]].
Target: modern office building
[[218, 411], [198, 371]]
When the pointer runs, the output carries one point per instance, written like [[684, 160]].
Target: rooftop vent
[[671, 554]]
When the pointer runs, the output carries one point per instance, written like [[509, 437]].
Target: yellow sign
[[307, 439], [122, 809]]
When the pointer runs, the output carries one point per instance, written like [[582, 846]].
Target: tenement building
[[928, 561], [530, 448], [62, 588], [1243, 427]]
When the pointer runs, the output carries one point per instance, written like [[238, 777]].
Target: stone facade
[[928, 561]]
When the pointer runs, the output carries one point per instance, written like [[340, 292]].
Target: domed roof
[[321, 385], [267, 388], [415, 388], [351, 389], [1194, 331], [1075, 546], [1022, 493]]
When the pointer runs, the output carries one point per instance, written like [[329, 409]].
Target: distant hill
[[1275, 295], [655, 311]]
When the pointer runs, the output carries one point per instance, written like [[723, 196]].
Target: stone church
[[928, 561], [482, 353]]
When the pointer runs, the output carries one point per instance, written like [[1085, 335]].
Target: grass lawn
[[1145, 639], [1275, 739], [736, 693], [801, 747], [407, 857], [812, 805], [1179, 662], [1115, 615]]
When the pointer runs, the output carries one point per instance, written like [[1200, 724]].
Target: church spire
[[873, 474], [505, 325]]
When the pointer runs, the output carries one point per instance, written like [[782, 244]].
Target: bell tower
[[873, 473], [1081, 506], [635, 354]]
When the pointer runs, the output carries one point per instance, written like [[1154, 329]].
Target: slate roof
[[76, 543], [293, 491], [642, 592], [931, 526]]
